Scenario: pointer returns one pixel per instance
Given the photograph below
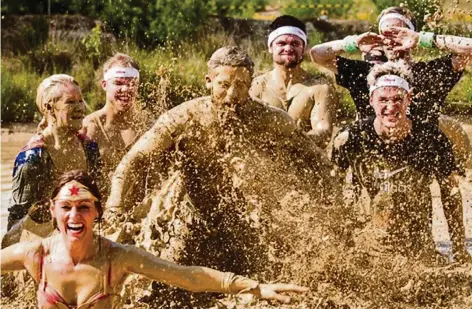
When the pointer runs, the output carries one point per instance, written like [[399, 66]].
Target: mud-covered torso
[[228, 151]]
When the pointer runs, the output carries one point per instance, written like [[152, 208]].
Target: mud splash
[[279, 217]]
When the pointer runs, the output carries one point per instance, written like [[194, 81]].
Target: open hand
[[401, 39], [369, 41], [272, 291]]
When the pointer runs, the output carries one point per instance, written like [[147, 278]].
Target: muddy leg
[[452, 204]]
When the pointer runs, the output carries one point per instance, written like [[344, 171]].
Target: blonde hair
[[49, 93], [122, 60], [399, 68]]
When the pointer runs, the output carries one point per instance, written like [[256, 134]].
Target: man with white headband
[[433, 79], [308, 99], [393, 158], [118, 124]]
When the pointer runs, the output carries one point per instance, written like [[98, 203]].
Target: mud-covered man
[[239, 160], [118, 124], [308, 99], [394, 159]]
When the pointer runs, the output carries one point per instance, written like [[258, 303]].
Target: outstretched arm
[[200, 279], [406, 39], [325, 54]]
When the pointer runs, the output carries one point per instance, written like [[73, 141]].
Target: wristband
[[231, 284], [427, 39], [350, 44]]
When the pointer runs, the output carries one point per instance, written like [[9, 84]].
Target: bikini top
[[49, 298]]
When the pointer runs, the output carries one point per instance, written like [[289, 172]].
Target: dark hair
[[86, 180], [287, 20], [399, 10]]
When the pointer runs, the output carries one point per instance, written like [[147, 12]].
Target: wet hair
[[399, 68], [287, 20], [399, 10], [122, 60], [86, 180], [49, 92], [231, 56]]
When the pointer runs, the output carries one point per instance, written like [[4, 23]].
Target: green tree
[[421, 8], [309, 9]]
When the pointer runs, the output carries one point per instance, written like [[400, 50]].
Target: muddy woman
[[57, 148], [77, 268]]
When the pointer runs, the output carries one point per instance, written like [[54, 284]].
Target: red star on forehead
[[74, 190]]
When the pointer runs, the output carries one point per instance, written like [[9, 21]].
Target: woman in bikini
[[57, 148], [79, 269]]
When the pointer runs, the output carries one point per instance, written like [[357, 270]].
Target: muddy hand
[[368, 41], [272, 291], [403, 39]]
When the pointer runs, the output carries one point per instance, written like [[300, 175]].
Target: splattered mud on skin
[[296, 234]]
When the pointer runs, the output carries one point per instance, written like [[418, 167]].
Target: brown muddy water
[[14, 137]]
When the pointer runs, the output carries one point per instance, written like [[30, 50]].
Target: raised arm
[[407, 39], [325, 54], [200, 279]]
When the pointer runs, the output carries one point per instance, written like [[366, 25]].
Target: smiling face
[[229, 85], [390, 105], [69, 110], [75, 219], [287, 50], [121, 92]]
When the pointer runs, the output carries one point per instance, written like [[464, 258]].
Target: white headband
[[395, 16], [74, 191], [390, 81], [286, 30], [117, 72]]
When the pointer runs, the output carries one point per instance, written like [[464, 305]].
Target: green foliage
[[309, 10], [18, 95], [95, 46], [236, 8], [421, 8]]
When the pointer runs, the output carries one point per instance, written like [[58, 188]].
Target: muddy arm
[[150, 147], [325, 54], [323, 113], [200, 279], [20, 256]]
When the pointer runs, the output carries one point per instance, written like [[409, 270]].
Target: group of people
[[397, 143]]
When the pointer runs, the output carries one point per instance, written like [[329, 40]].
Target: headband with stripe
[[395, 16], [74, 191], [286, 30], [117, 72], [390, 81]]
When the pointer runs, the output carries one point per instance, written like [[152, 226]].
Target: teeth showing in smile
[[75, 226]]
